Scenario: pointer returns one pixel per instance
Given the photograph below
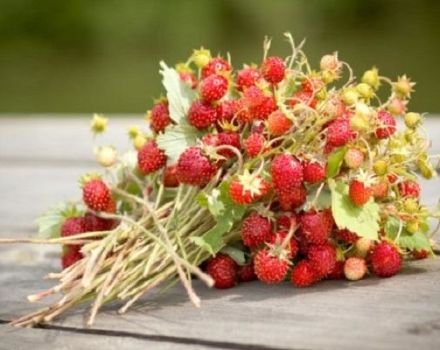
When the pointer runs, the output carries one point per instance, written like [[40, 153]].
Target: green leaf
[[334, 162], [212, 240], [362, 220], [215, 205], [50, 222], [179, 94], [416, 241], [324, 200], [392, 226], [176, 139], [235, 253]]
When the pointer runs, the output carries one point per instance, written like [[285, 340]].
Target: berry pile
[[272, 172]]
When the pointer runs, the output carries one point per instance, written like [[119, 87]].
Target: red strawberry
[[160, 116], [95, 223], [359, 193], [223, 138], [253, 97], [392, 178], [254, 144], [287, 221], [150, 158], [223, 269], [323, 258], [355, 268], [409, 188], [96, 195], [385, 260], [304, 274], [346, 236], [273, 69], [255, 230], [312, 84], [215, 66], [202, 114], [226, 110], [189, 78], [269, 267], [287, 173], [314, 172], [316, 226], [247, 77], [420, 254], [170, 176], [293, 199], [213, 88], [263, 110], [380, 190], [337, 272], [303, 97], [193, 168], [278, 238], [73, 226], [71, 256], [339, 132], [246, 273], [387, 125], [248, 188], [278, 124]]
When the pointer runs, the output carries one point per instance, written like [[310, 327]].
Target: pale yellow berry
[[371, 77], [201, 57], [139, 141], [412, 119], [363, 246], [106, 155], [350, 96], [365, 90], [98, 124]]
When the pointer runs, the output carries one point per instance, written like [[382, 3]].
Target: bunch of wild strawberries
[[269, 131]]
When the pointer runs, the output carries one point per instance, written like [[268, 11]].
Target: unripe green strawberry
[[412, 119], [350, 96], [371, 77], [403, 87], [411, 205], [365, 90], [412, 226], [380, 167], [359, 123], [363, 247]]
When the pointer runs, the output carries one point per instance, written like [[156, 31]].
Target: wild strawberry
[[278, 124], [223, 139], [392, 178], [312, 84], [246, 273], [363, 246], [150, 158], [323, 258], [279, 237], [420, 254], [216, 65], [270, 267], [254, 144], [255, 230], [355, 268], [304, 274], [287, 173], [385, 260], [264, 109], [273, 69], [248, 188], [96, 195], [189, 78], [387, 125], [304, 97], [73, 226], [293, 199], [409, 188], [213, 88], [337, 272], [316, 226], [247, 77], [226, 110], [201, 114], [353, 158], [71, 255], [223, 269], [339, 132], [160, 116], [346, 236], [314, 172], [253, 97], [287, 221], [170, 176], [95, 223], [380, 190], [359, 193], [193, 168]]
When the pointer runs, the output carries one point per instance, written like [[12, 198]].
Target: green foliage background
[[103, 55]]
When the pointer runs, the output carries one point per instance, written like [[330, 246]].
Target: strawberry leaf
[[416, 241], [50, 222], [226, 218], [235, 253], [176, 139], [335, 161], [179, 94], [364, 221]]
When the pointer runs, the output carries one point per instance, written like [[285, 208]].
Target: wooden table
[[41, 159]]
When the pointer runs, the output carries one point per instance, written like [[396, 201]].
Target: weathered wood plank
[[398, 313]]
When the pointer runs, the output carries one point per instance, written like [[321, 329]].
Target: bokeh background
[[69, 56]]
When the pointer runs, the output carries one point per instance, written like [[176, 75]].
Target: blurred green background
[[102, 55]]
